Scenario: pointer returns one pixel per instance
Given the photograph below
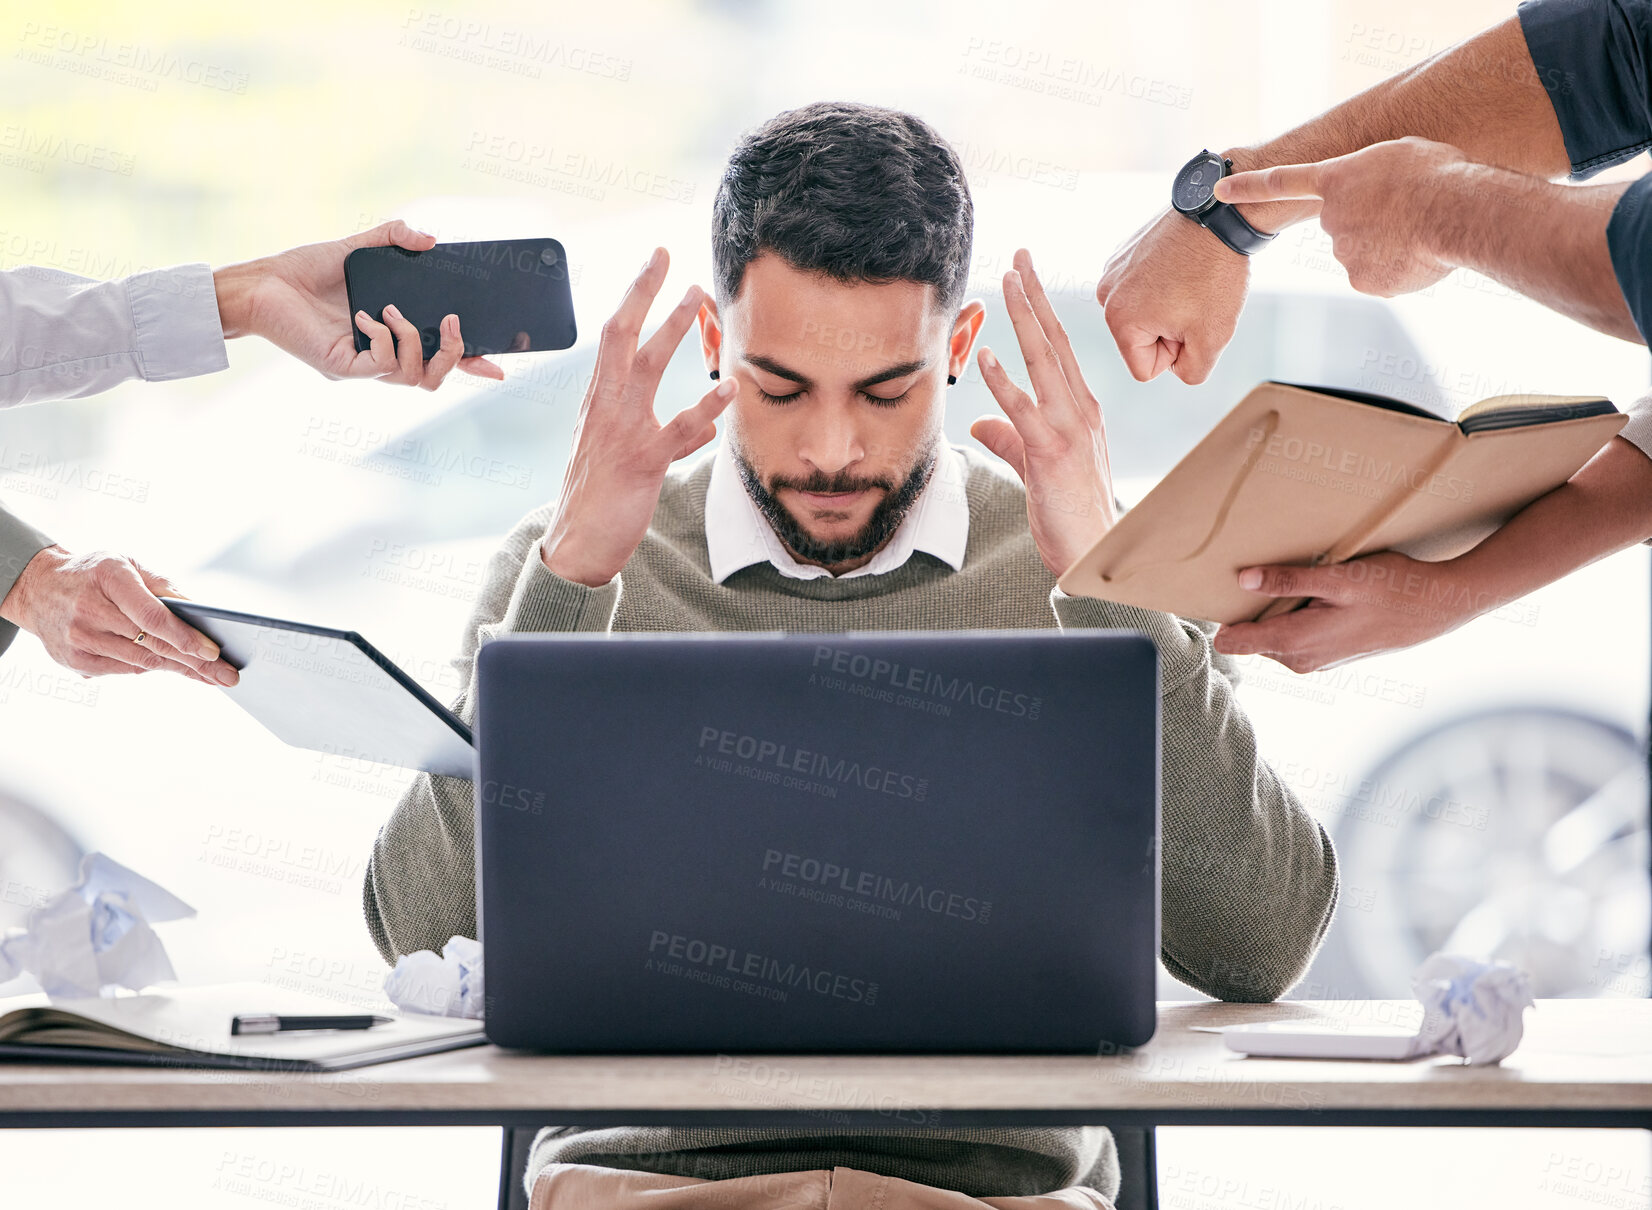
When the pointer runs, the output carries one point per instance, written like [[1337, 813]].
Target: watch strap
[[1231, 228]]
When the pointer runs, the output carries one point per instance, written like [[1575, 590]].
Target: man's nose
[[831, 441]]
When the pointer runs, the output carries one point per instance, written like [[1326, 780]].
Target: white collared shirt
[[738, 535]]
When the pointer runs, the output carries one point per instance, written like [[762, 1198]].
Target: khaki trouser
[[587, 1187]]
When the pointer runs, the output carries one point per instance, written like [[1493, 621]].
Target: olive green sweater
[[1249, 878]]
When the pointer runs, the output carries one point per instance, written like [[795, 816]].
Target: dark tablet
[[332, 691]]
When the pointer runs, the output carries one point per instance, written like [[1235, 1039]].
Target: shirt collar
[[738, 535]]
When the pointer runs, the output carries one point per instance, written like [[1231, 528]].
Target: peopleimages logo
[[879, 888], [788, 758], [907, 678], [722, 965], [1316, 456]]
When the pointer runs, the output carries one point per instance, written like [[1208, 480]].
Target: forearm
[[1546, 241], [1604, 508], [1482, 96]]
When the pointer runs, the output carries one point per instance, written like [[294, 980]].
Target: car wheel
[[1518, 833]]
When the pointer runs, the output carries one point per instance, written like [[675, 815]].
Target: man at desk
[[835, 503]]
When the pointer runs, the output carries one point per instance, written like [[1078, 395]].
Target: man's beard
[[879, 527]]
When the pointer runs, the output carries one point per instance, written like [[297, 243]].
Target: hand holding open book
[[1315, 476]]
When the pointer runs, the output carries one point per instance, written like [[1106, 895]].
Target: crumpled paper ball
[[95, 939], [1473, 1009], [448, 984]]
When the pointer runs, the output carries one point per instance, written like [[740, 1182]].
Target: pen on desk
[[271, 1023]]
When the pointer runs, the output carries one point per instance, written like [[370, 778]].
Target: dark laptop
[[899, 842]]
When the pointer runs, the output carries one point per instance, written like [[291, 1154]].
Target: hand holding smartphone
[[511, 296]]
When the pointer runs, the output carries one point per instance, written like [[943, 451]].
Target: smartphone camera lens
[[548, 256]]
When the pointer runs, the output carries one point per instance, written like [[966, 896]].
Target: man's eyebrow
[[772, 366], [899, 371]]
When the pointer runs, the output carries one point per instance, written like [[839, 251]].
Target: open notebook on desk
[[190, 1027]]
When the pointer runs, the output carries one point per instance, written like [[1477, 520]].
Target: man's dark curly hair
[[857, 192]]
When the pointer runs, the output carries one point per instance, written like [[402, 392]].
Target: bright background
[[1485, 792]]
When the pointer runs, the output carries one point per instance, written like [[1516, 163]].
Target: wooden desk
[[1582, 1063]]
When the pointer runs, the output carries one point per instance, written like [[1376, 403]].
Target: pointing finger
[[1284, 182]]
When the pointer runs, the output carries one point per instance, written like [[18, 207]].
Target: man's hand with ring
[[101, 613]]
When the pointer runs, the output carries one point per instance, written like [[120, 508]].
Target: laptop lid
[[903, 842]]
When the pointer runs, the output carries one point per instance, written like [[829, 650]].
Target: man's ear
[[711, 333], [964, 331]]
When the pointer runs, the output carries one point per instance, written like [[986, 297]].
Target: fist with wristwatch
[[1193, 193]]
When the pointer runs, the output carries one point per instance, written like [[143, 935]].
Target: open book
[[190, 1027], [1316, 475]]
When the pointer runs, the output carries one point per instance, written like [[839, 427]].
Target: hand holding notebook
[[1310, 476]]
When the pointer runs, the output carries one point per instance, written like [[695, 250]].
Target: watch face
[[1195, 184]]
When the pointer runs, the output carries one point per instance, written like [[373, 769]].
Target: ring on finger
[[141, 636]]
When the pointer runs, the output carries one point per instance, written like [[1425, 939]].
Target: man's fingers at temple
[[999, 436], [655, 354], [1281, 183], [619, 334], [1327, 583], [1054, 331], [705, 435], [680, 435], [1017, 404], [1049, 382]]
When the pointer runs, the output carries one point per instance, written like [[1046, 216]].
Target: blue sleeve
[[1629, 240], [1594, 58]]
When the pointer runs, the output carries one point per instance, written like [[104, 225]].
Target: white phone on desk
[[1290, 1040]]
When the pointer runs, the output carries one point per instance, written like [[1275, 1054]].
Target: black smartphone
[[511, 296]]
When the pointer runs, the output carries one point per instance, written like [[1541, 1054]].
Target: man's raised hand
[[621, 450], [1056, 438]]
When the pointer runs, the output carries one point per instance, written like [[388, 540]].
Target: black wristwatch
[[1194, 194]]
